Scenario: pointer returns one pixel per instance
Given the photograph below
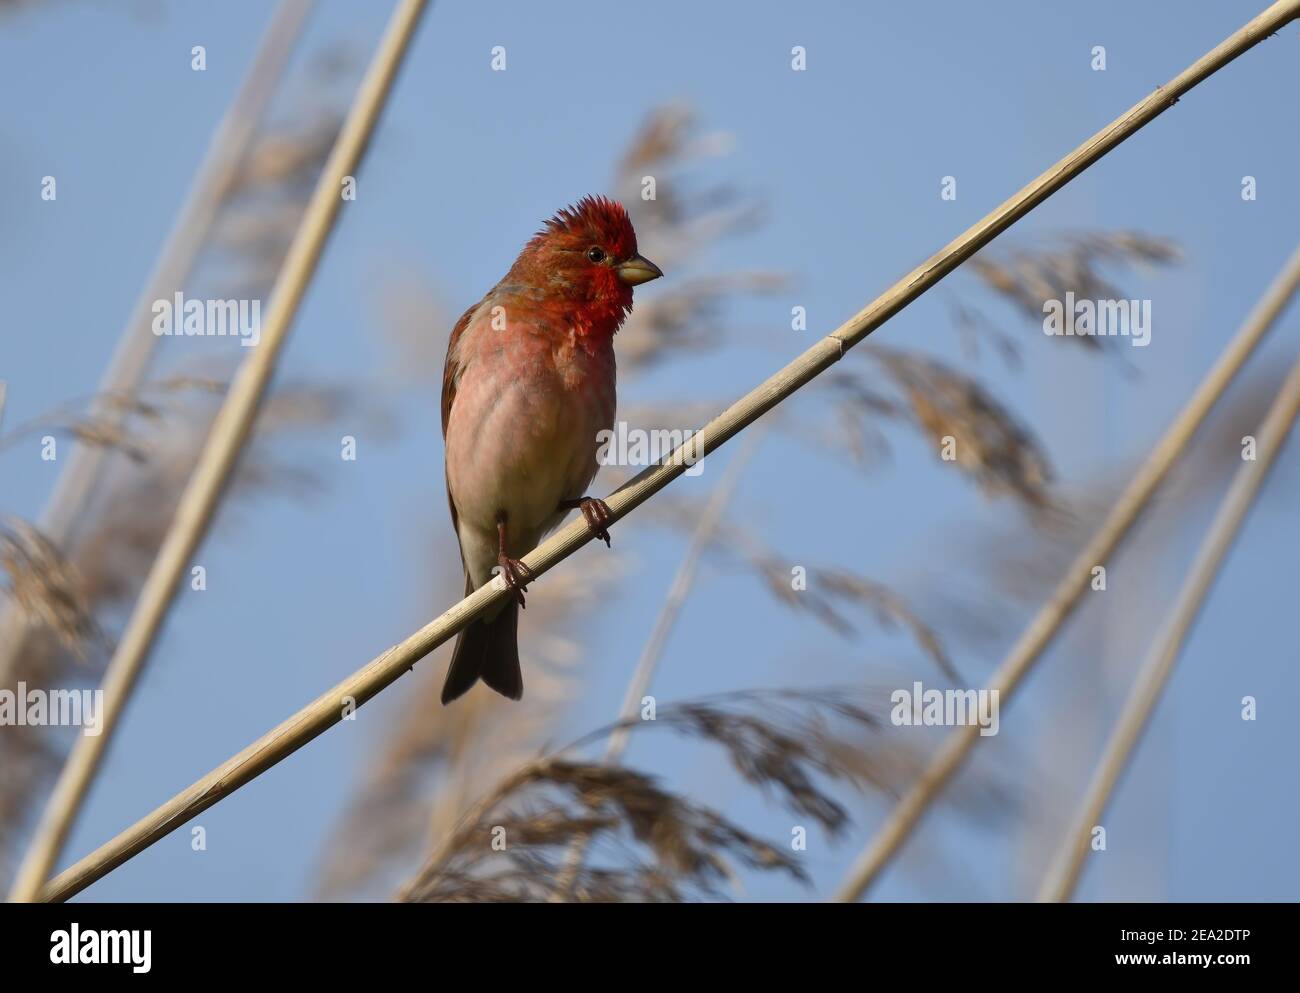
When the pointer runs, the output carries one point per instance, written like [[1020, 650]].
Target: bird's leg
[[516, 574], [596, 512]]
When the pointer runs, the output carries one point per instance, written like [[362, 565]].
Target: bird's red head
[[585, 263]]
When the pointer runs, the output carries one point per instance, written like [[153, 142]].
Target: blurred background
[[775, 189]]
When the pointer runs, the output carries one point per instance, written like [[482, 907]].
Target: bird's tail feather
[[487, 650]]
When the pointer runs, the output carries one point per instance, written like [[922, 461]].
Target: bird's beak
[[637, 270]]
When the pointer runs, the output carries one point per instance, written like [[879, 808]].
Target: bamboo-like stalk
[[1047, 622], [1153, 676], [175, 261], [230, 430], [652, 652], [327, 709]]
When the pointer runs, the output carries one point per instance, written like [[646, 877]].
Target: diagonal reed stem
[[648, 664], [652, 652], [1153, 676], [1045, 625], [328, 709], [230, 430], [135, 345]]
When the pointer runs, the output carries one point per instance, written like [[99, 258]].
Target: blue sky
[[848, 156]]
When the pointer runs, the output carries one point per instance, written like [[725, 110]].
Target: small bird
[[527, 386]]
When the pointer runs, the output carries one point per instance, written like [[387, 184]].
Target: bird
[[527, 387]]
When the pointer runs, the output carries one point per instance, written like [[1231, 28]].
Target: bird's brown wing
[[451, 370]]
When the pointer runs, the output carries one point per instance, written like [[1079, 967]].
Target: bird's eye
[[596, 254]]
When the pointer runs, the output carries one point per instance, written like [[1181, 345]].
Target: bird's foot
[[516, 574], [597, 514]]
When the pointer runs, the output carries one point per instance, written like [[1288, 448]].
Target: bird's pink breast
[[522, 432]]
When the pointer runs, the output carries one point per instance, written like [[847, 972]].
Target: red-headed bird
[[527, 387]]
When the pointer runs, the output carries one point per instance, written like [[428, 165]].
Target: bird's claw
[[598, 515], [516, 574]]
